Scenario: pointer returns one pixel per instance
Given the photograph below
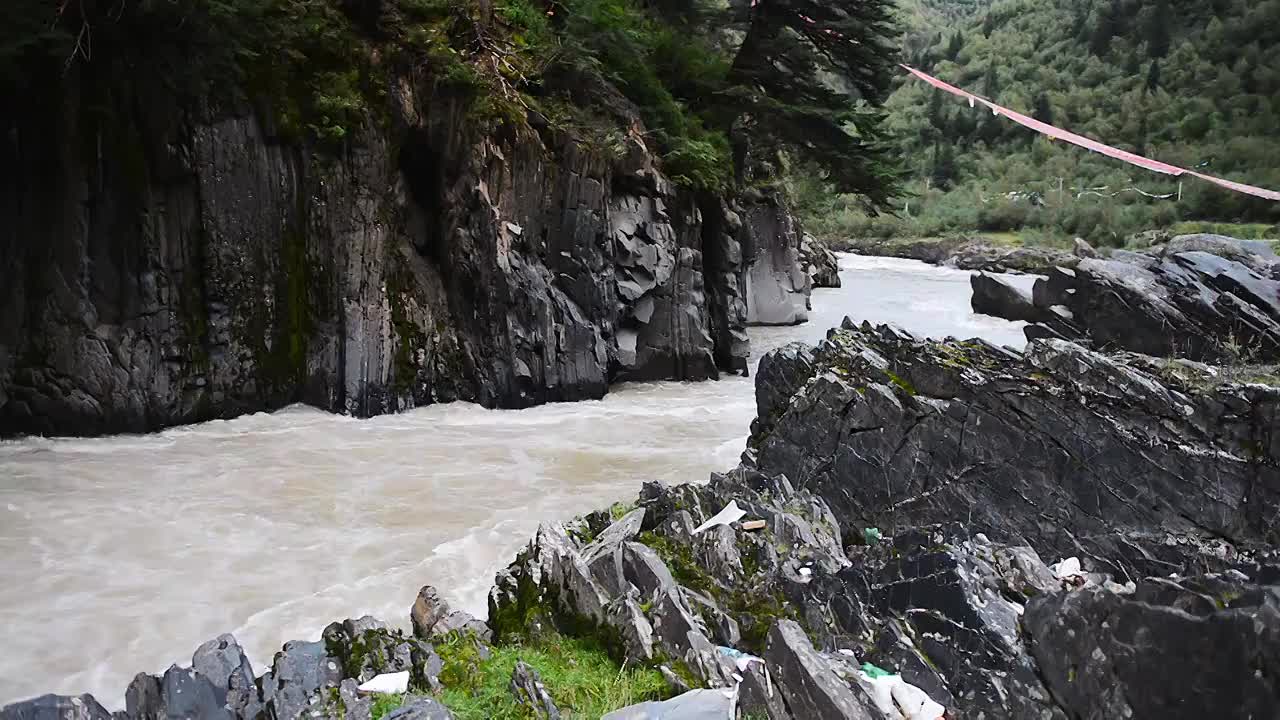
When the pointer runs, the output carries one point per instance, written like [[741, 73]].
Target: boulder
[[224, 663], [996, 297]]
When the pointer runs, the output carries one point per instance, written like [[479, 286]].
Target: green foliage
[[578, 674], [1209, 98], [384, 704]]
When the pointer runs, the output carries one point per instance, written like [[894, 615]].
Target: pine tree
[[778, 89], [955, 46], [1153, 76], [1157, 30], [1103, 31], [1043, 110], [943, 172], [991, 83]]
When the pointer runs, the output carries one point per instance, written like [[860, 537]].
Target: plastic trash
[[873, 671], [754, 525], [387, 684], [739, 658], [871, 535], [720, 704], [897, 698], [728, 516], [1068, 569]]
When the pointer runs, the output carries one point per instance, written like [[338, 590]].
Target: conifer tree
[[781, 94]]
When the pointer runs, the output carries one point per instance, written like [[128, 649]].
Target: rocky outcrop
[[1174, 303], [204, 261], [819, 262], [1066, 450]]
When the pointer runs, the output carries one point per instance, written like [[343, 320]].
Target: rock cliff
[[170, 259]]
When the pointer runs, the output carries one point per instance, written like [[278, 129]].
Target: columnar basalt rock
[[207, 265]]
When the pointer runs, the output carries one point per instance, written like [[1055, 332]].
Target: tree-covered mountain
[[1194, 83]]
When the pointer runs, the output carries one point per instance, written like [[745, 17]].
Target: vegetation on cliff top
[[720, 87]]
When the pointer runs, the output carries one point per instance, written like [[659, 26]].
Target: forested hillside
[[1194, 83]]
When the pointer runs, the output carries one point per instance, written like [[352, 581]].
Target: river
[[122, 554]]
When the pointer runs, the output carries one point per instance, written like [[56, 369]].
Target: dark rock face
[[1066, 450], [776, 285], [1098, 649], [1181, 303], [203, 265]]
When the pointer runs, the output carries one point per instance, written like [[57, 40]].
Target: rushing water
[[123, 554]]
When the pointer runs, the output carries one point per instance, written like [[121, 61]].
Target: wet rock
[[531, 694], [1189, 649], [56, 707], [187, 694], [806, 681]]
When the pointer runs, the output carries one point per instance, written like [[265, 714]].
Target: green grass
[[383, 704], [1243, 231], [580, 676]]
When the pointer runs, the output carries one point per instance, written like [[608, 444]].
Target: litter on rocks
[[896, 697], [387, 684], [805, 572], [754, 525], [728, 516], [873, 671], [871, 535], [739, 658], [1068, 569], [693, 705]]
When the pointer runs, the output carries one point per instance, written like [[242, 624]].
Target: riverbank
[[1033, 523]]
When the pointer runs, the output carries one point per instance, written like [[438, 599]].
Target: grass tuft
[[579, 675]]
